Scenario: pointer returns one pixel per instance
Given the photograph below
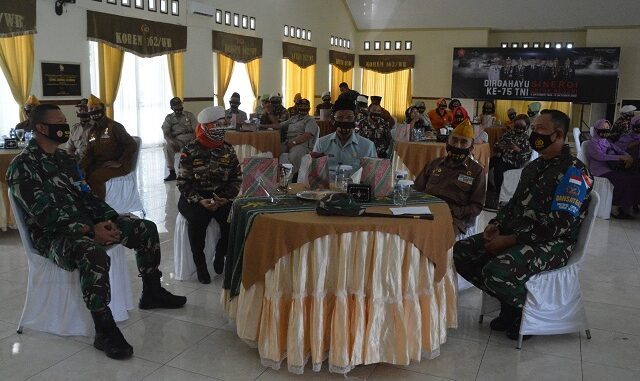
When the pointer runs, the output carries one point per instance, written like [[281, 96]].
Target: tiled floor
[[197, 343]]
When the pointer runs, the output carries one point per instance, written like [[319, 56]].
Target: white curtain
[[9, 117], [143, 96], [239, 83]]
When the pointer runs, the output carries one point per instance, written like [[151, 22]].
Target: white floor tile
[[613, 349]]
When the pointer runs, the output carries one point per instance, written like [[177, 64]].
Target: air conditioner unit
[[201, 9]]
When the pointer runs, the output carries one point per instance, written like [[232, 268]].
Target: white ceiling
[[494, 14]]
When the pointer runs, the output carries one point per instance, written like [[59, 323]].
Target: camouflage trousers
[[92, 261], [504, 275]]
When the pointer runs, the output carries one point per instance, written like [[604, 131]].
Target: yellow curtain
[[110, 67], [253, 69], [337, 77], [299, 80], [16, 62], [503, 105], [176, 73], [225, 68], [394, 88]]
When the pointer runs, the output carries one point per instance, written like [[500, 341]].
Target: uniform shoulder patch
[[571, 192]]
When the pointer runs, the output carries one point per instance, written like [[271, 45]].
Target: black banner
[[17, 17], [60, 79], [588, 75], [238, 48]]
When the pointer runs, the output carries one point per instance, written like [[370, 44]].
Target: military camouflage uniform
[[204, 172], [545, 214], [61, 213], [378, 131], [505, 159]]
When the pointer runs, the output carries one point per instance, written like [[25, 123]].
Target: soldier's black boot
[[201, 267], [108, 336], [171, 177], [513, 332], [154, 296], [505, 319]]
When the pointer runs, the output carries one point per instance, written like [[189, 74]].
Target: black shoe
[[513, 332], [171, 177], [218, 264], [622, 216], [203, 275], [154, 296], [504, 320], [108, 338]]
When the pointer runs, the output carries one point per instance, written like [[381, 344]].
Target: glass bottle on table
[[400, 175]]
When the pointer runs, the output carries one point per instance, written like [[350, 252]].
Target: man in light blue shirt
[[343, 146]]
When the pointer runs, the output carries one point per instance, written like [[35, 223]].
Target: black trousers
[[198, 219], [499, 168]]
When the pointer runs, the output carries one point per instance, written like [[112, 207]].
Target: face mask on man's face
[[531, 113], [512, 116], [540, 142], [96, 115], [58, 132], [344, 128]]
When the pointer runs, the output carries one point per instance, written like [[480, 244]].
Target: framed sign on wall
[[61, 79]]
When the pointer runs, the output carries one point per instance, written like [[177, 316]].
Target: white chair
[[602, 185], [122, 192], [303, 172], [511, 180], [554, 299], [576, 141], [54, 301], [185, 268]]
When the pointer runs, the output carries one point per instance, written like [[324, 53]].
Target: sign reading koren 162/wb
[[569, 75]]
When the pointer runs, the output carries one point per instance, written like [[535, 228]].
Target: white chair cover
[[54, 302], [510, 183], [185, 268], [602, 185], [554, 299], [576, 141], [303, 172], [122, 192]]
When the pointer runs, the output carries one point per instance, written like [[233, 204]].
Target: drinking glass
[[405, 191], [285, 177], [20, 135]]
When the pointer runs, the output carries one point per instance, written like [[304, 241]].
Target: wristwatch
[[294, 142]]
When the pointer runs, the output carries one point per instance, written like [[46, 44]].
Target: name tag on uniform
[[465, 179]]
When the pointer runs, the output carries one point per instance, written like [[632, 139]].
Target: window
[[140, 4], [245, 22], [286, 31], [376, 45], [398, 45], [236, 20], [408, 45], [227, 18], [252, 23], [175, 8], [239, 83], [111, 1], [367, 45], [143, 95], [8, 108], [309, 35], [126, 3], [164, 7], [152, 5], [218, 16], [387, 45]]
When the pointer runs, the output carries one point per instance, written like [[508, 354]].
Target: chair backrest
[[582, 155], [585, 230], [576, 140], [19, 215], [137, 155], [303, 171]]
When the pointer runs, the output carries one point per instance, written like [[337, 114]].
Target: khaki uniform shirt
[[78, 139], [180, 127], [298, 125], [462, 185]]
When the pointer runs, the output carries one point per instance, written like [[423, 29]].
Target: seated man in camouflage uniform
[[71, 227], [456, 178], [536, 231], [208, 179], [178, 129]]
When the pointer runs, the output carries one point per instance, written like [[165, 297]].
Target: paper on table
[[411, 210]]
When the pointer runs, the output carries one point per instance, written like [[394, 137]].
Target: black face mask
[[457, 154], [96, 115], [178, 111], [458, 119], [375, 114], [344, 126], [605, 133], [531, 113], [540, 142], [487, 111], [59, 133], [519, 129], [512, 116], [303, 110]]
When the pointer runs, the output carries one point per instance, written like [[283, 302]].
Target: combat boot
[[513, 332], [505, 319], [154, 296], [108, 338]]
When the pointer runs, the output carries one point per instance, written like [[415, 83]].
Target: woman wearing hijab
[[608, 160]]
